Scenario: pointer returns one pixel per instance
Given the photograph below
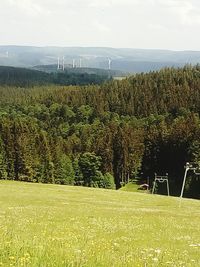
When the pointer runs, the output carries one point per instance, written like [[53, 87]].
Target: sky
[[153, 24]]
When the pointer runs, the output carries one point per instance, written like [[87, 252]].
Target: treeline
[[21, 77], [103, 135]]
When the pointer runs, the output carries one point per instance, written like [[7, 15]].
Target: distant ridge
[[123, 59]]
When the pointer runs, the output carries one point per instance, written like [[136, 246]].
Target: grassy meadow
[[52, 225]]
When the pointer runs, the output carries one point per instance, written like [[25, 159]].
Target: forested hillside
[[22, 77], [88, 135]]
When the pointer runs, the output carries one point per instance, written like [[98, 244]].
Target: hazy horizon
[[108, 47], [150, 24]]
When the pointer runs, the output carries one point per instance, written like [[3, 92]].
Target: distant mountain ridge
[[123, 59]]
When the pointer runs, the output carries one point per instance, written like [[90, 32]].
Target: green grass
[[52, 225], [132, 187]]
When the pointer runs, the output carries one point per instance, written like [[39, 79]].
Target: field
[[52, 225]]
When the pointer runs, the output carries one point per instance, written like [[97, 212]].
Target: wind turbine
[[63, 63], [58, 67], [109, 63], [73, 63]]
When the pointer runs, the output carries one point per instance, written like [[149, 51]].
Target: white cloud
[[185, 12], [189, 14], [28, 6], [101, 27], [157, 27], [118, 23], [100, 4]]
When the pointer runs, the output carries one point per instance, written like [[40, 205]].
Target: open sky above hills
[[164, 24]]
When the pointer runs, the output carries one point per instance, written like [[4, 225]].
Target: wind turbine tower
[[109, 63], [80, 63], [63, 63], [58, 67], [73, 63]]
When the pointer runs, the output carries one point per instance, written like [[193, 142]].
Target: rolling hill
[[123, 59]]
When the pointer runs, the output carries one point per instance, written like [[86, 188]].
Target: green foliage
[[89, 165], [65, 171], [76, 135], [98, 180], [22, 77], [108, 181], [3, 165]]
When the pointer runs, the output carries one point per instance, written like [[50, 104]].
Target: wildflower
[[194, 245], [116, 244], [78, 251]]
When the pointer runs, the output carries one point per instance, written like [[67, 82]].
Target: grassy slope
[[52, 225], [132, 187]]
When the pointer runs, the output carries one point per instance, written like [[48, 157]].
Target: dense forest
[[22, 77], [103, 135]]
